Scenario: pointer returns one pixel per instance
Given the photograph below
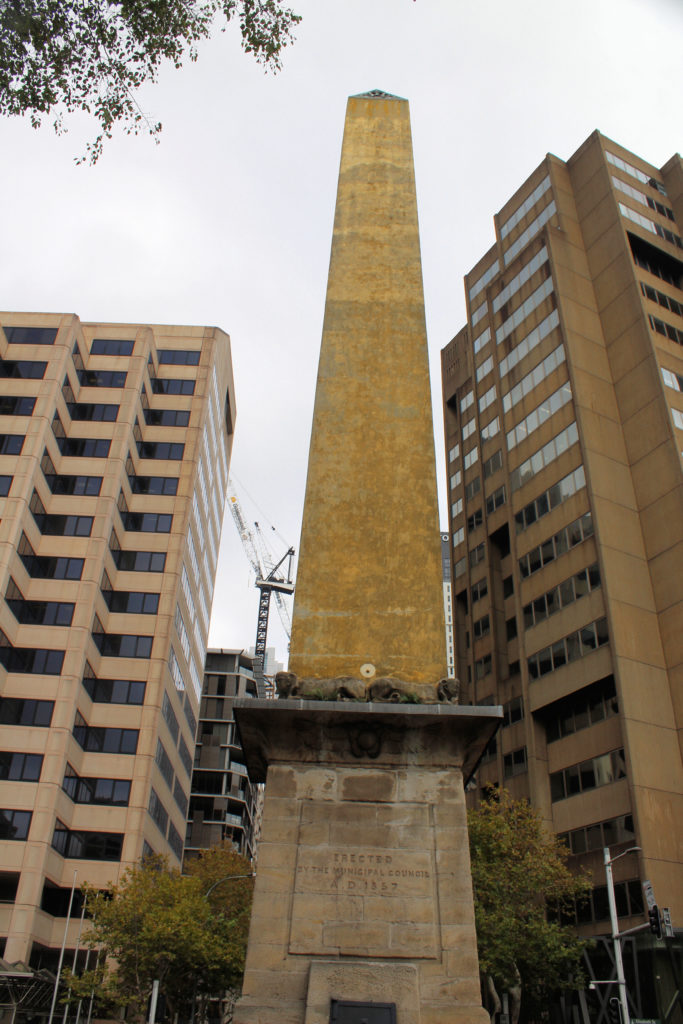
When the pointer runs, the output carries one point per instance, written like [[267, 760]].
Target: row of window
[[603, 833], [135, 561], [557, 445], [143, 522], [172, 385], [590, 774], [534, 377], [640, 197], [654, 266], [562, 595], [487, 276], [68, 483], [79, 447], [482, 339], [650, 225], [557, 545], [538, 416], [527, 205], [580, 710], [635, 172], [524, 275], [550, 499], [570, 648], [529, 342], [533, 229], [120, 645], [59, 525], [668, 330], [654, 295], [522, 312], [113, 691]]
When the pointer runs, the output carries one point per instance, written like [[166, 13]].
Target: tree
[[61, 56], [519, 874], [159, 924]]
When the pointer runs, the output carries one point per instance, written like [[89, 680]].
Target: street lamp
[[616, 938]]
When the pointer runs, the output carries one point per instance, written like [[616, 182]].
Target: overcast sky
[[228, 221]]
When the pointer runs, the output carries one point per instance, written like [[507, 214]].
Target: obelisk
[[363, 905], [370, 560]]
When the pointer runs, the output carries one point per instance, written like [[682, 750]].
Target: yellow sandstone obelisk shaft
[[369, 584]]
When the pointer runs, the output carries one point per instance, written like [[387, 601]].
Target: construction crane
[[270, 580]]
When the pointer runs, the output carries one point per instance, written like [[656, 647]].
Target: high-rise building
[[448, 601], [564, 427], [224, 804], [114, 463]]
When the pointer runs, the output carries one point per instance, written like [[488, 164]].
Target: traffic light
[[655, 921], [614, 1010]]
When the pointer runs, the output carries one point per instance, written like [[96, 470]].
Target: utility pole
[[616, 937]]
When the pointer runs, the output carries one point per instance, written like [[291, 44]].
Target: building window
[[65, 484], [167, 417], [143, 522], [163, 763], [667, 301], [453, 453], [490, 429], [14, 825], [479, 589], [482, 667], [158, 812], [477, 555], [48, 567], [153, 484], [59, 525], [456, 508], [475, 520], [18, 767], [170, 718], [5, 484], [103, 740], [514, 763], [468, 429], [111, 792], [482, 627], [486, 399], [650, 225], [179, 357], [172, 386], [471, 457], [30, 335], [493, 464], [668, 330], [112, 347], [37, 613], [165, 450], [11, 444], [113, 691], [579, 778], [524, 275], [513, 711], [16, 405], [80, 845], [120, 645], [19, 711], [101, 378], [30, 660], [612, 832], [458, 536], [533, 229], [175, 841], [484, 369], [482, 339], [22, 369], [570, 648], [487, 276], [137, 602], [565, 593], [459, 567], [495, 500]]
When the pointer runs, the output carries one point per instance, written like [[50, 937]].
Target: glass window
[[30, 335], [112, 347]]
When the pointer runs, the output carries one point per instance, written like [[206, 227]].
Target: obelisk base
[[363, 890]]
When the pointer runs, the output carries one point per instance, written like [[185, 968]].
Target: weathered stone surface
[[380, 982], [386, 689]]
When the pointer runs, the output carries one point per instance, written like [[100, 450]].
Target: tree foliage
[[61, 56], [519, 872], [159, 924]]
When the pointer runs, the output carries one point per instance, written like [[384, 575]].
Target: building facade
[[448, 602], [224, 804], [114, 462], [563, 410]]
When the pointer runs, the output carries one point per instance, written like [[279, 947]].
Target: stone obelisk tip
[[369, 599]]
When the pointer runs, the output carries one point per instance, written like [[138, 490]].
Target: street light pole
[[616, 938]]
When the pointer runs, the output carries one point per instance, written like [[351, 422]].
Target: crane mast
[[270, 581]]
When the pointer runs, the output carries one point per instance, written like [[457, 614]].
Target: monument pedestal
[[363, 889]]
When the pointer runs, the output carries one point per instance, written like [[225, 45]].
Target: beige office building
[[113, 470], [564, 426]]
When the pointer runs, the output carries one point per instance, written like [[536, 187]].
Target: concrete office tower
[[224, 805], [448, 601], [564, 426], [114, 467], [369, 551]]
